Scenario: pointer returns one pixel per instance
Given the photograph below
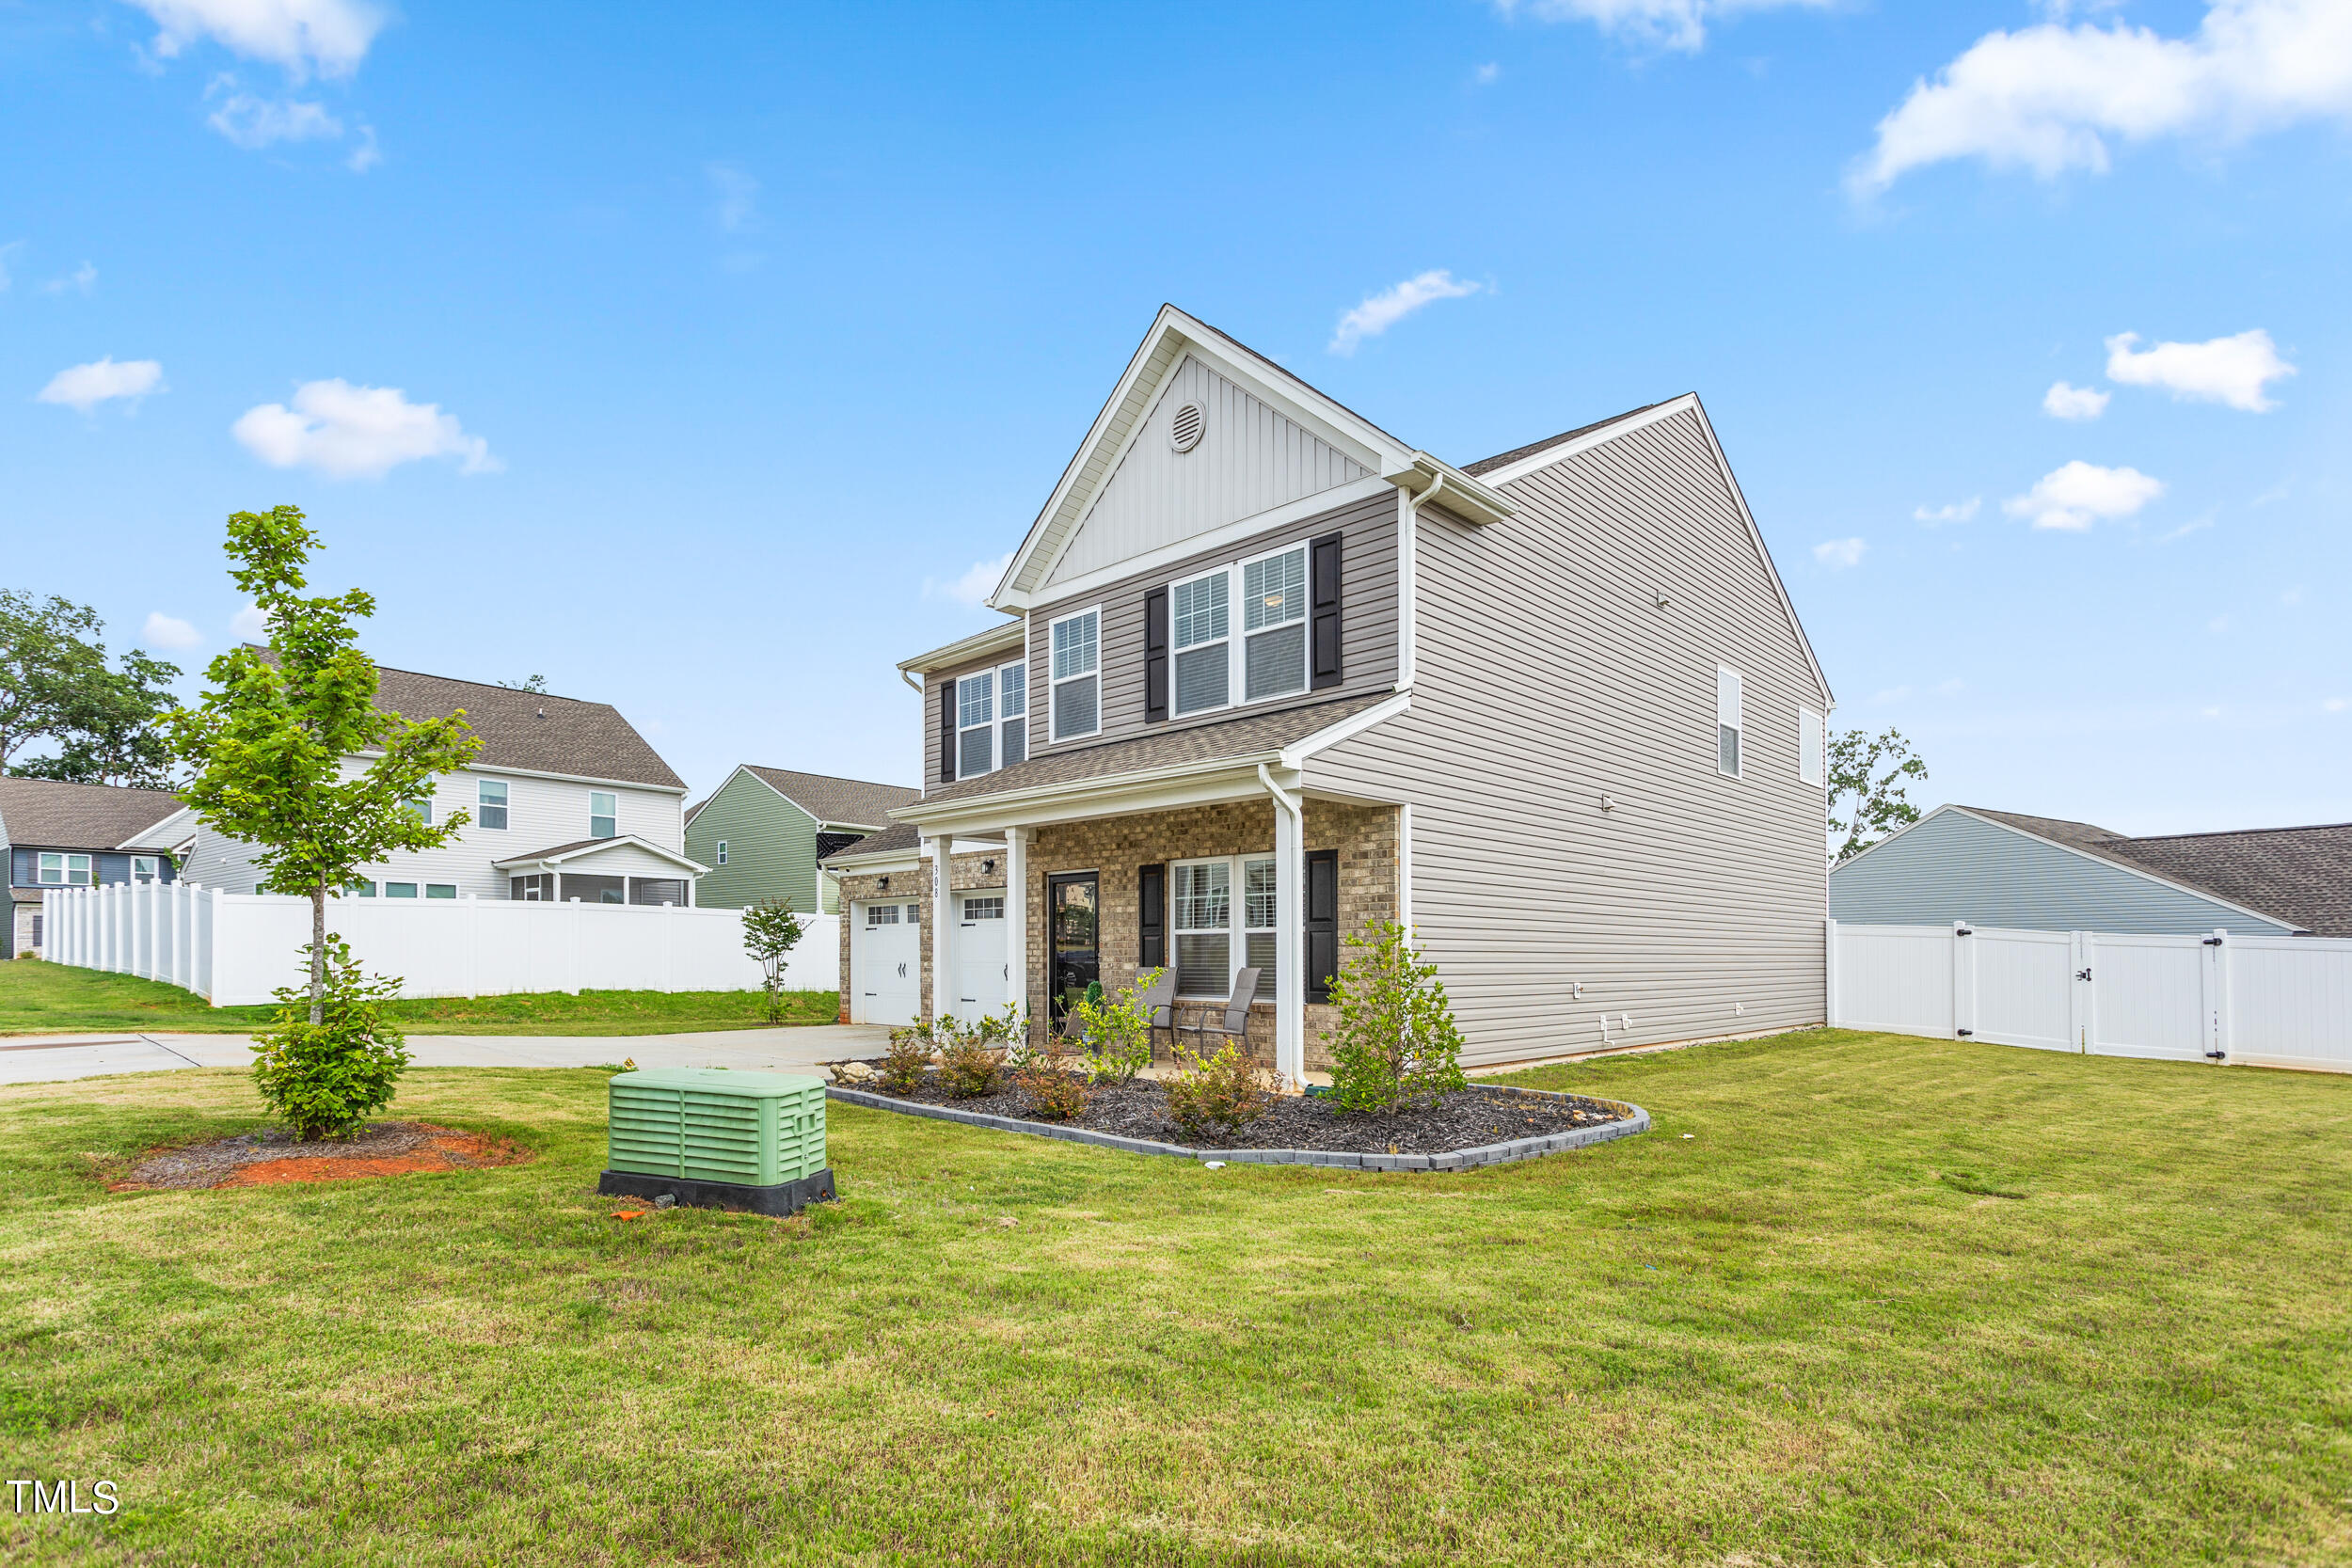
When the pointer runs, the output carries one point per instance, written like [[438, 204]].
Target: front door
[[1073, 911]]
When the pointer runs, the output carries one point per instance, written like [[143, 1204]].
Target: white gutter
[[1281, 798]]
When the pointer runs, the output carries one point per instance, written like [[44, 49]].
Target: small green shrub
[[1226, 1089], [324, 1079], [1395, 1043], [1056, 1093], [770, 930], [971, 1061], [907, 1058], [1115, 1031]]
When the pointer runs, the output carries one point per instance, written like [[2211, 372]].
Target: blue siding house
[[2039, 872], [75, 835]]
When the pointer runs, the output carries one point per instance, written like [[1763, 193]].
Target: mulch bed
[[272, 1158], [1468, 1118]]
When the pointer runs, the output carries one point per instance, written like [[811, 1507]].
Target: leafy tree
[[325, 1075], [270, 736], [1868, 775], [771, 931], [1395, 1042], [56, 685], [534, 683]]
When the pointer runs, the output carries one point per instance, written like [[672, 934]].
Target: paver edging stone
[[1635, 1123]]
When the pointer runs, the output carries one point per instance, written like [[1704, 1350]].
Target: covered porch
[[623, 870]]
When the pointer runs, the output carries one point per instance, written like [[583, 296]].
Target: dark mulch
[[1468, 1118], [273, 1155]]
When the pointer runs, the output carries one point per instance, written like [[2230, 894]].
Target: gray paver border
[[1636, 1123]]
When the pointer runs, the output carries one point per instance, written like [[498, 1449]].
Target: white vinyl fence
[[2259, 1001], [235, 948]]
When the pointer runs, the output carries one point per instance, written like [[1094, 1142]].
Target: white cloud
[[82, 279], [85, 387], [1380, 312], [2220, 369], [735, 197], [1660, 23], [250, 625], [2194, 525], [1838, 554], [2049, 98], [367, 154], [254, 122], [2062, 401], [330, 36], [2293, 596], [2218, 623], [4, 250], [977, 582], [2079, 494], [348, 431], [1488, 75], [1955, 512], [2334, 704], [169, 632]]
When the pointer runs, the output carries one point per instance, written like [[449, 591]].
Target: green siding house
[[765, 829]]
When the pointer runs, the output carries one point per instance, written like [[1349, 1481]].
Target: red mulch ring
[[272, 1158]]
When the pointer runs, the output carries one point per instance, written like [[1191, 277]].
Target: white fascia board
[[1234, 532], [627, 841], [981, 644], [1117, 794], [167, 834], [560, 778], [889, 860], [1589, 440], [1439, 483], [2287, 927], [1295, 755]]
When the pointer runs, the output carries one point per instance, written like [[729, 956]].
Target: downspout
[[1290, 933], [908, 676], [1281, 796]]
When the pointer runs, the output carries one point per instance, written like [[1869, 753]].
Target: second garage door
[[978, 950], [886, 962]]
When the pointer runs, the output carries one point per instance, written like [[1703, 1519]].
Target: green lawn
[[1808, 1332], [44, 998]]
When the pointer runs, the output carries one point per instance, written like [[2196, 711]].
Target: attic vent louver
[[1183, 431]]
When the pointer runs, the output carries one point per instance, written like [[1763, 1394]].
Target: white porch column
[[943, 923], [1290, 947], [1017, 918]]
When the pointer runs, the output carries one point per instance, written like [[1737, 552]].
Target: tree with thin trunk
[[1866, 778], [291, 755]]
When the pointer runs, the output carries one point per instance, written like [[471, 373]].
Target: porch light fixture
[[988, 868], [885, 884]]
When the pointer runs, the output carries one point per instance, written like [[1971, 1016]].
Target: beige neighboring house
[[1269, 674], [77, 835]]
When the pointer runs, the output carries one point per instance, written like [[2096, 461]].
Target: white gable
[[1250, 458]]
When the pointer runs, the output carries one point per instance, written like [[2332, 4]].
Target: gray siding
[[1548, 679], [1954, 867]]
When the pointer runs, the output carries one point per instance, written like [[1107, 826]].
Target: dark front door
[[1073, 911]]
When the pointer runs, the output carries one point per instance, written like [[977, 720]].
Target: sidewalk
[[37, 1059]]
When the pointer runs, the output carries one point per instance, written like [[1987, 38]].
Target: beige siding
[[1249, 459], [1549, 677]]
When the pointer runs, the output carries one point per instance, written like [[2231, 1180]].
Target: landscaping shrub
[[971, 1061], [1395, 1043], [1226, 1089], [324, 1079], [1115, 1031], [907, 1058], [770, 930], [1055, 1092]]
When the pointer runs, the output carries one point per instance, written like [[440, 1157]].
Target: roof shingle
[[532, 730], [78, 816], [2299, 875], [852, 802]]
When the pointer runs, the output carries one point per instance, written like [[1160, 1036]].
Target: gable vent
[[1183, 430]]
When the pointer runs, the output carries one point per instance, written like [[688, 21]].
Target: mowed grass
[[1805, 1332], [37, 998]]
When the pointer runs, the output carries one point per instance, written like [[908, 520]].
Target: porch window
[[976, 724], [1203, 903], [536, 889], [658, 891], [400, 890], [359, 887], [1727, 735], [1012, 713], [604, 815], [1077, 679], [441, 890], [592, 889], [1200, 623], [1274, 623], [1257, 917], [491, 796]]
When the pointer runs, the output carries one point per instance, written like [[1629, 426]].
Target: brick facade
[[968, 873]]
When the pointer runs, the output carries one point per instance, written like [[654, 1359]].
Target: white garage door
[[886, 963], [978, 950]]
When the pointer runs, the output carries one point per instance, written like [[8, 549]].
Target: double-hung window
[[1811, 746], [1076, 698], [976, 724], [422, 807], [145, 868], [604, 815], [490, 797], [1727, 727], [1013, 714], [63, 870], [1217, 934], [721, 856], [1274, 625], [1199, 627]]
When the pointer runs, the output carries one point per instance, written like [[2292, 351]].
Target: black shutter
[[1322, 922], [1323, 573], [1156, 655], [946, 732], [1152, 916]]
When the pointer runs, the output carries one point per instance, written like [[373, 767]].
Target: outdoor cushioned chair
[[1231, 1022]]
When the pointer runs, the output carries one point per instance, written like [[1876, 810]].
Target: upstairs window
[[1811, 747], [1076, 699], [422, 808], [1274, 623], [722, 852], [490, 797], [604, 815], [976, 724], [145, 868], [63, 870], [1199, 621], [1727, 728], [1013, 714]]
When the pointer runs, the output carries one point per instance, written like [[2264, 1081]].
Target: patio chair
[[1229, 1023], [1158, 1002]]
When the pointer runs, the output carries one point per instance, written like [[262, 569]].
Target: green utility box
[[713, 1139]]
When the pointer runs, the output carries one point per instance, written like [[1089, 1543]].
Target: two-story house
[[763, 832], [1271, 674], [76, 835], [564, 801]]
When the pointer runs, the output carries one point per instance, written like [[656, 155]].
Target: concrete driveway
[[51, 1058]]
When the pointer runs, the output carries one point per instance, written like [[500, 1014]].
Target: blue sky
[[691, 356]]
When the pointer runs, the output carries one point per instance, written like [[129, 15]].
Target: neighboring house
[[76, 835], [762, 832], [2041, 873], [1274, 674], [564, 801]]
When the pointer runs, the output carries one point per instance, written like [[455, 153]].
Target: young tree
[[771, 931], [108, 728], [1396, 1041], [1868, 775], [269, 736]]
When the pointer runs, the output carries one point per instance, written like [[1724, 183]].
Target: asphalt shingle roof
[[852, 802], [2299, 875], [76, 815], [531, 729], [900, 837], [1504, 459]]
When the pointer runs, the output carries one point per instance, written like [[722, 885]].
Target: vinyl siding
[[771, 848], [1249, 459], [1954, 867], [1549, 677]]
